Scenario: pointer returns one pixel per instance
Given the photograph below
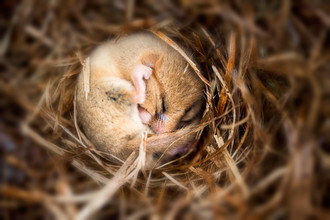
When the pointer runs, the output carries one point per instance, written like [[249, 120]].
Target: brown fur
[[109, 117]]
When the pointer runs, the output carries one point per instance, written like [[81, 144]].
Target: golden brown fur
[[174, 96]]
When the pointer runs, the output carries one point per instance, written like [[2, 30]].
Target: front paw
[[145, 116]]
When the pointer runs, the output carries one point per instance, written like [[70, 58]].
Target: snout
[[159, 124]]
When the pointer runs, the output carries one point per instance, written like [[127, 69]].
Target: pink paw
[[181, 150], [145, 116], [140, 73]]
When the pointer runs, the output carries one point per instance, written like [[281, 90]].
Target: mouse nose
[[158, 125]]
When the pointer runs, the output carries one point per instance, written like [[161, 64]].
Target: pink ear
[[152, 60], [140, 73]]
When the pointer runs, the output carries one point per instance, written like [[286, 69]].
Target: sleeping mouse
[[139, 83]]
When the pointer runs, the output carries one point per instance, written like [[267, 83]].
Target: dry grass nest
[[264, 145]]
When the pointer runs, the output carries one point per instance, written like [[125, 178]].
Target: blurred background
[[268, 60]]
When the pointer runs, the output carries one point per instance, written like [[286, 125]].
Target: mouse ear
[[152, 60]]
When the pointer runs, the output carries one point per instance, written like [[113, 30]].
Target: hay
[[264, 136]]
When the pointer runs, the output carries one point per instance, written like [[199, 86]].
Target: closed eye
[[163, 105]]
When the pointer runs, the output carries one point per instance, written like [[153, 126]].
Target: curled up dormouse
[[139, 83]]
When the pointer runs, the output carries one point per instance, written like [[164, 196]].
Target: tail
[[166, 141]]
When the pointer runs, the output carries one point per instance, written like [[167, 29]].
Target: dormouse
[[139, 83]]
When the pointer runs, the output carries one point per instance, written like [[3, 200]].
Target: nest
[[263, 148]]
